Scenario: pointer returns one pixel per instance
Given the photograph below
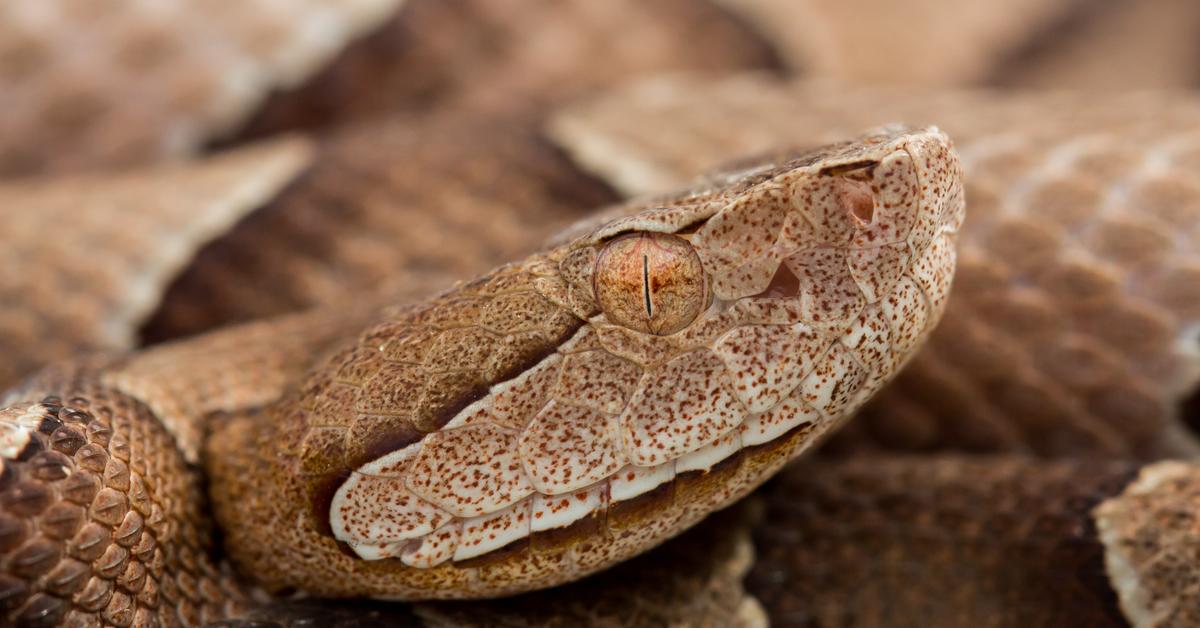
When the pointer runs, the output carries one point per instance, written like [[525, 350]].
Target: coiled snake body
[[548, 419], [647, 366]]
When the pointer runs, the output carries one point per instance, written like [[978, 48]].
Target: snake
[[531, 426], [338, 459]]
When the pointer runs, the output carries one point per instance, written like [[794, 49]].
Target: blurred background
[[88, 84]]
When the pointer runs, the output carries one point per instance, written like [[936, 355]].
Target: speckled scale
[[679, 407], [393, 514], [824, 210], [744, 235], [515, 402], [834, 382], [493, 530], [869, 341], [412, 372], [907, 314], [470, 470], [785, 416], [519, 312], [641, 349], [829, 295], [931, 271], [434, 549], [941, 193], [551, 512], [597, 379], [876, 269], [765, 363], [568, 447], [895, 189]]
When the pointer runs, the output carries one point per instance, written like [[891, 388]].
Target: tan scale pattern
[[386, 209], [102, 250], [1073, 322], [237, 368], [411, 402], [1151, 536], [879, 42], [85, 85], [477, 56], [101, 521], [912, 542]]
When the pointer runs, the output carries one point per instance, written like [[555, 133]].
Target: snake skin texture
[[478, 55], [429, 447], [234, 369], [1074, 323], [1152, 538], [391, 208], [1077, 44], [95, 84], [102, 521], [824, 38], [98, 84], [1073, 330], [868, 543], [106, 248], [97, 483], [903, 542]]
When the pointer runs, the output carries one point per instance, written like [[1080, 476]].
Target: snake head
[[573, 409], [778, 295]]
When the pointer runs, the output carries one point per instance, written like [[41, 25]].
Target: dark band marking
[[637, 510], [564, 537], [698, 484], [515, 550]]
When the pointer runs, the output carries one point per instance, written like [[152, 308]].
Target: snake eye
[[650, 282]]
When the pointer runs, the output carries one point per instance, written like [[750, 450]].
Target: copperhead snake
[[402, 446]]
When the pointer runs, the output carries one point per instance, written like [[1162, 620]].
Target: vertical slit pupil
[[646, 286]]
